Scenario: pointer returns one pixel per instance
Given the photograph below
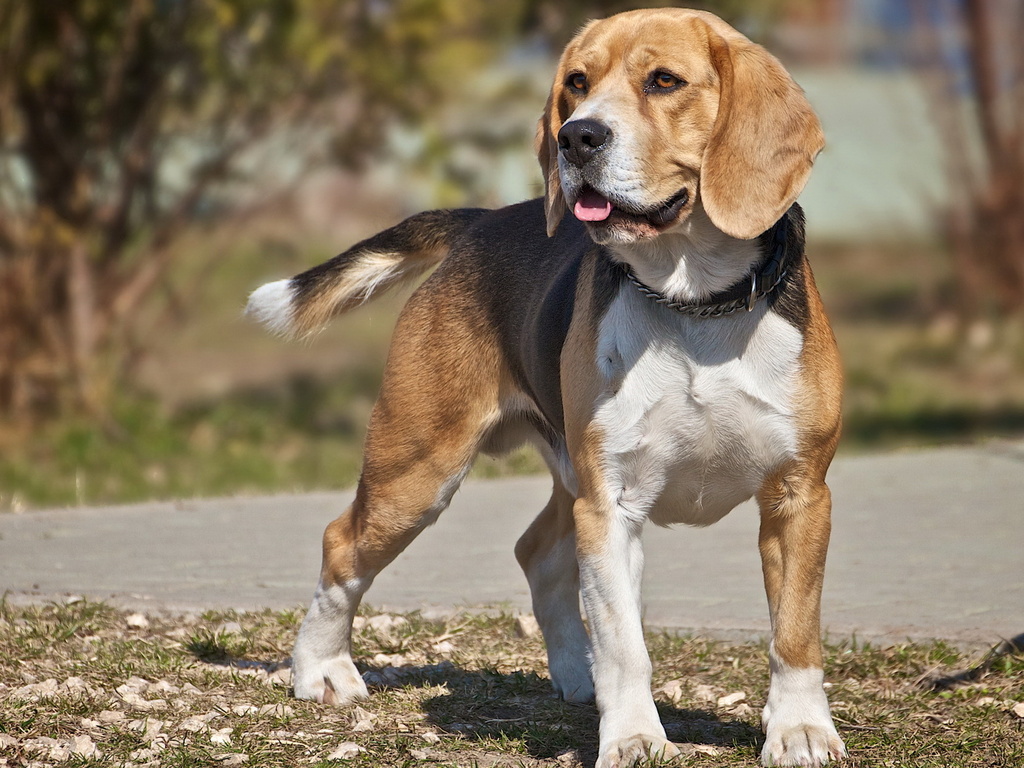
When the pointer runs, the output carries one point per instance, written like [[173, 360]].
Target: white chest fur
[[695, 413]]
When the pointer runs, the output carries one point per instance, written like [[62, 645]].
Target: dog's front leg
[[795, 526], [611, 565]]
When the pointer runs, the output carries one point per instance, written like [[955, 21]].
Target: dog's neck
[[691, 262]]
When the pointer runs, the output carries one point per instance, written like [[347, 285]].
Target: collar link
[[762, 282]]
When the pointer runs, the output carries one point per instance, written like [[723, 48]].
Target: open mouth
[[593, 207]]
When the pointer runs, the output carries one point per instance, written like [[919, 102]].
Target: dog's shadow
[[508, 708], [481, 705]]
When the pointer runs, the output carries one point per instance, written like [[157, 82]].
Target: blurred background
[[159, 159]]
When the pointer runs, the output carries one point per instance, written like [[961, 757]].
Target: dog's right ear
[[546, 146]]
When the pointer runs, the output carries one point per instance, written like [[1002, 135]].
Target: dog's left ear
[[546, 146], [763, 142]]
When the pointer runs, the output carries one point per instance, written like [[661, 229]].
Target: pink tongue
[[592, 206]]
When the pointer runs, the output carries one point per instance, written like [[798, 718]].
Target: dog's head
[[653, 111]]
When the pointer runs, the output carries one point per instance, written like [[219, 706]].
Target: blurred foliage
[[120, 122]]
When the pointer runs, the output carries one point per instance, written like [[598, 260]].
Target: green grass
[[305, 435], [195, 690]]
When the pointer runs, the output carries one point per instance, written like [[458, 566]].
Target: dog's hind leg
[[547, 554], [423, 436]]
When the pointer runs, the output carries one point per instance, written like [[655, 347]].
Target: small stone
[[109, 716], [526, 625], [136, 684], [444, 648], [732, 699], [419, 754], [40, 744], [83, 746], [151, 729], [245, 709], [276, 710], [60, 753], [193, 724], [136, 621], [74, 685], [345, 751], [135, 701], [221, 736], [198, 723], [36, 691], [431, 738], [7, 741], [1018, 709]]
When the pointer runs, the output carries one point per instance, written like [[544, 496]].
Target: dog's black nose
[[579, 140]]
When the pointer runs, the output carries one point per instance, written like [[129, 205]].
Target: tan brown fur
[[796, 503], [425, 431], [468, 371], [743, 135]]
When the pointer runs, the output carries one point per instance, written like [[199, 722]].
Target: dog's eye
[[577, 81], [663, 81]]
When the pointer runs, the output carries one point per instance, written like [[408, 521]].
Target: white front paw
[[623, 753], [797, 722], [336, 682], [804, 744]]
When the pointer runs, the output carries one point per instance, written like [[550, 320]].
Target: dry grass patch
[[83, 684]]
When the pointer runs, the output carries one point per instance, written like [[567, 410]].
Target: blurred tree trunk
[[974, 63]]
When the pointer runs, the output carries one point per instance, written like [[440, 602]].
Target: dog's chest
[[694, 413]]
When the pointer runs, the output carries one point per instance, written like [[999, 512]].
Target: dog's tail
[[303, 304]]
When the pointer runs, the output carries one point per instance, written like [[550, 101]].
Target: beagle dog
[[652, 325]]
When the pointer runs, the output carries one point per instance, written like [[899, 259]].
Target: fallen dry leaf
[[345, 751], [732, 699]]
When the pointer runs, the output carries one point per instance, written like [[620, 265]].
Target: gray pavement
[[924, 544]]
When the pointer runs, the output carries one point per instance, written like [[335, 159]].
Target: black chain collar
[[760, 284]]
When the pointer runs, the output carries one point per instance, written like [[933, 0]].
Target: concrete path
[[924, 544]]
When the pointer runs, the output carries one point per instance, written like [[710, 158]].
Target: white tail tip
[[271, 305]]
